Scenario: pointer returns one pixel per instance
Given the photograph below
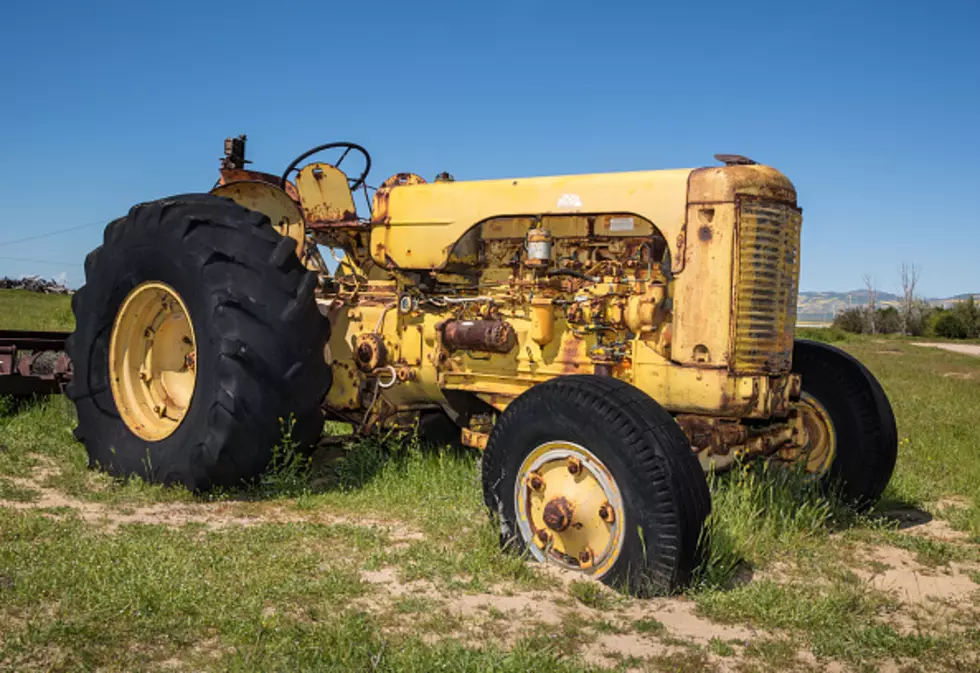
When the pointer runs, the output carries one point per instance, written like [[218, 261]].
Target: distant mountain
[[823, 306]]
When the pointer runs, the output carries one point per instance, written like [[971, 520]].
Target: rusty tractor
[[602, 339]]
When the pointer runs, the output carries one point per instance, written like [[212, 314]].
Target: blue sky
[[872, 108]]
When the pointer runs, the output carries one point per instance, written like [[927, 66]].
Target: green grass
[[20, 309], [935, 395], [11, 491], [289, 591]]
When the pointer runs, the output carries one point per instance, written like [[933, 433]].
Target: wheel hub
[[152, 360], [569, 508], [557, 514], [817, 445]]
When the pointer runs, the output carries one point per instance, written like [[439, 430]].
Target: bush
[[853, 320], [951, 326], [888, 320], [969, 315]]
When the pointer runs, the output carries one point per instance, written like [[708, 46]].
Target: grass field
[[380, 557]]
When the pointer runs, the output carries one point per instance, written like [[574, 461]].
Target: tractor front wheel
[[198, 342], [852, 443], [589, 473]]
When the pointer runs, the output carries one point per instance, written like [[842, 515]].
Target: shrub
[[951, 326], [888, 320], [969, 315], [853, 320]]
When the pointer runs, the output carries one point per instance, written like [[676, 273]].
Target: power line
[[41, 261], [52, 233]]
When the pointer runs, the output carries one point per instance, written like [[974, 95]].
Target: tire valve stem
[[607, 513], [160, 410], [574, 465]]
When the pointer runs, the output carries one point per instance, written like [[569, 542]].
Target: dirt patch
[[915, 584], [212, 516], [508, 615], [967, 349]]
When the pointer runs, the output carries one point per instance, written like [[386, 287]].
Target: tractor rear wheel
[[198, 342], [591, 474], [852, 441]]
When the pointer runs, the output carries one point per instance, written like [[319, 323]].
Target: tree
[[968, 314], [910, 277], [872, 301]]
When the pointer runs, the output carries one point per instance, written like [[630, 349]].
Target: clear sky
[[871, 107]]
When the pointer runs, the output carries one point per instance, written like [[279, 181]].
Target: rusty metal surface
[[495, 336], [33, 363], [474, 439], [768, 262], [558, 513]]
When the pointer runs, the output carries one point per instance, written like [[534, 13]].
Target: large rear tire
[[590, 473], [238, 309], [844, 402]]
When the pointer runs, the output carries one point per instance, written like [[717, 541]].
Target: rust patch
[[558, 513], [495, 336]]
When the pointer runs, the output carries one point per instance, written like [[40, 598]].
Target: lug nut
[[574, 465], [535, 482], [585, 558], [607, 513], [544, 536]]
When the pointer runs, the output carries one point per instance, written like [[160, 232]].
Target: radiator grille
[[767, 280]]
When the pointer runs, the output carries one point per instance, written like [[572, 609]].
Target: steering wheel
[[353, 183]]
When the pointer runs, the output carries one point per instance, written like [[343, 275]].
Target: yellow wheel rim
[[152, 361], [570, 508], [818, 452]]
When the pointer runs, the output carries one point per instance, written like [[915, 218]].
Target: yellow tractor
[[603, 339]]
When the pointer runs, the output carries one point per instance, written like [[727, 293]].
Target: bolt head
[[607, 513], [535, 482], [585, 557]]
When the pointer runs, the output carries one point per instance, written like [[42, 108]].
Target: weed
[[648, 625], [761, 511], [591, 594], [604, 626], [720, 647], [288, 474], [780, 653]]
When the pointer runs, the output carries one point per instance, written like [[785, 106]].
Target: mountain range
[[823, 306]]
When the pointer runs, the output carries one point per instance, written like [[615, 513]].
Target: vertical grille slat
[[767, 280]]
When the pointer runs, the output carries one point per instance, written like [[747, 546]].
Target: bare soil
[[968, 349]]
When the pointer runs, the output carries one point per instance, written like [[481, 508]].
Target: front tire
[[196, 392], [590, 473], [846, 408]]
